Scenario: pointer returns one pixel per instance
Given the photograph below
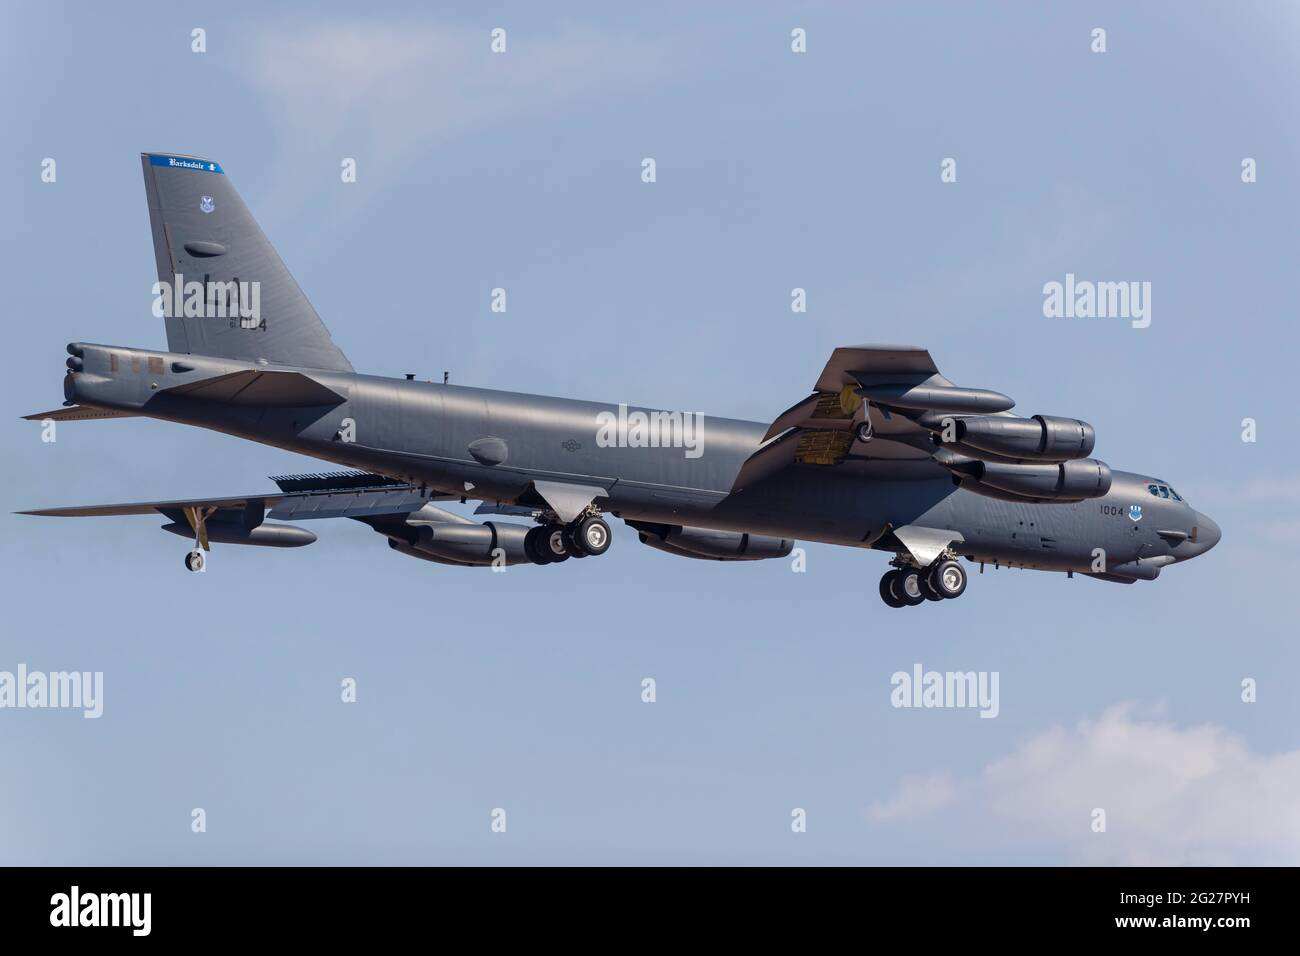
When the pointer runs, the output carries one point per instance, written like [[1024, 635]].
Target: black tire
[[863, 431], [947, 579], [592, 535], [908, 587], [574, 543], [532, 548], [551, 544], [923, 582], [194, 560], [887, 589]]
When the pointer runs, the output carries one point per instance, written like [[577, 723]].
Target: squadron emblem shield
[[206, 204]]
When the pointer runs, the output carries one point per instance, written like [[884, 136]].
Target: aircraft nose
[[1207, 533]]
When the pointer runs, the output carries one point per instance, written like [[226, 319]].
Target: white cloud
[[1197, 795], [389, 93], [916, 795]]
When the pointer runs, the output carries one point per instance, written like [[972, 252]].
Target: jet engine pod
[[936, 398], [401, 547], [267, 535], [714, 545], [1066, 481], [473, 544], [1041, 438]]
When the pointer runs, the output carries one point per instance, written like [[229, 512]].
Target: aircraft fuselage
[[491, 445]]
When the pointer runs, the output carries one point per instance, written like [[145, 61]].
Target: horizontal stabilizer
[[79, 413], [259, 387]]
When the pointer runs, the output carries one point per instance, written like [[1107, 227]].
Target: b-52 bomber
[[885, 453]]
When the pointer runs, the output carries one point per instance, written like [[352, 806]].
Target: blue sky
[[775, 170]]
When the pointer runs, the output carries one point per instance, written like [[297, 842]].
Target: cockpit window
[[1163, 491]]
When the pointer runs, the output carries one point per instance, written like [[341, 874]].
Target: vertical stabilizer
[[203, 232]]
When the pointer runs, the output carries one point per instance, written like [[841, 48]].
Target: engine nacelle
[[1066, 481], [472, 544], [264, 535], [1041, 438], [714, 545]]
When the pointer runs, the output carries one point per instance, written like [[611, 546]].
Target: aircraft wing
[[885, 412], [336, 495], [820, 430]]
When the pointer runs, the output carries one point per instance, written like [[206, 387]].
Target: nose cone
[[1207, 534]]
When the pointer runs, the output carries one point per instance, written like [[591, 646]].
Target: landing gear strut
[[198, 519]]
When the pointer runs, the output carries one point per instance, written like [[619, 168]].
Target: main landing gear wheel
[[927, 590], [545, 544], [947, 579], [194, 560], [575, 546], [908, 587], [591, 536], [887, 589], [901, 587]]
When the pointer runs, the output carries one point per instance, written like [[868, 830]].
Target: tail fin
[[203, 231]]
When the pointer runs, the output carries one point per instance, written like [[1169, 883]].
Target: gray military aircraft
[[885, 453]]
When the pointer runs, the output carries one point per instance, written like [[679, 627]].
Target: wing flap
[[348, 504]]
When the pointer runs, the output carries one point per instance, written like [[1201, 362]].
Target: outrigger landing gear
[[906, 586], [552, 542], [198, 519]]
